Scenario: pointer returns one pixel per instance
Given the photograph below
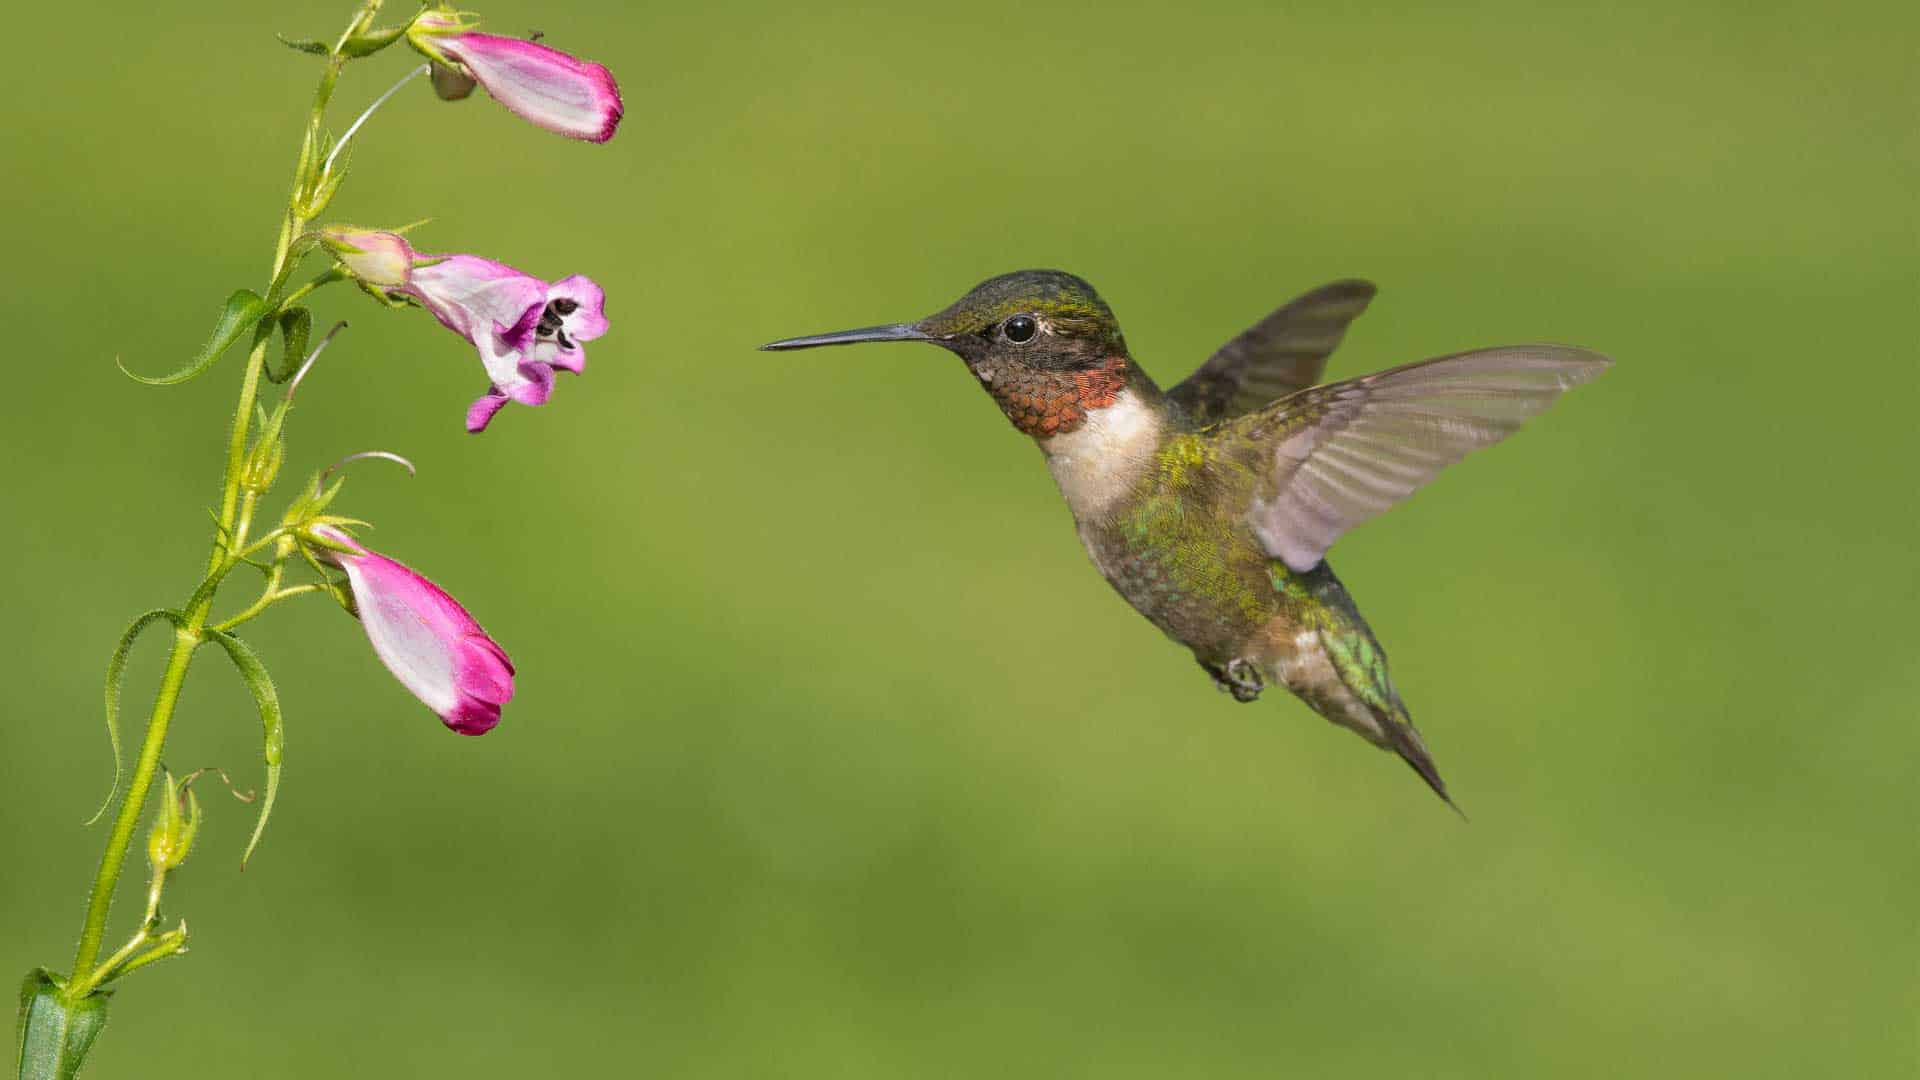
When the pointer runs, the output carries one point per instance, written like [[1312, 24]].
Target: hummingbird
[[1210, 506]]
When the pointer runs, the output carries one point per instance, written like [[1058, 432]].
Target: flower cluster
[[523, 329]]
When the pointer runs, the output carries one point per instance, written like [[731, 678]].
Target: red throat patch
[[1044, 403]]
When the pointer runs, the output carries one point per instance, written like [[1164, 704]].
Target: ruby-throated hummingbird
[[1211, 506]]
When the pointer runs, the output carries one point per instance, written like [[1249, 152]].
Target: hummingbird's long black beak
[[896, 332]]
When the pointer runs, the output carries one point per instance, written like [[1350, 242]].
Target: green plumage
[[1178, 549]]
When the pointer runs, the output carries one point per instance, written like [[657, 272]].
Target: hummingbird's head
[[1042, 342]]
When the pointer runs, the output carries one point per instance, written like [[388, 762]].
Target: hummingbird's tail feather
[[1339, 668], [1402, 739]]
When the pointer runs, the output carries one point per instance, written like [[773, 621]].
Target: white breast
[[1102, 459]]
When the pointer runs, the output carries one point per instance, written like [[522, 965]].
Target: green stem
[[229, 540], [304, 291], [267, 597], [171, 943], [185, 640], [113, 965]]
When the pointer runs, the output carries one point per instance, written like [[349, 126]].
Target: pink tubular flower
[[522, 327], [544, 86], [425, 637]]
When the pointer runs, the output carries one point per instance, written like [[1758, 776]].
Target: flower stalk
[[453, 666]]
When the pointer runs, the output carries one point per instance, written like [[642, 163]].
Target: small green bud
[[171, 838], [315, 200], [269, 452]]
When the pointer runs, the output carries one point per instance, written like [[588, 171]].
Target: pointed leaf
[[296, 327], [53, 1035], [305, 45], [254, 673], [116, 668], [244, 309]]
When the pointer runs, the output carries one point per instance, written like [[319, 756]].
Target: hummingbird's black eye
[[1020, 329]]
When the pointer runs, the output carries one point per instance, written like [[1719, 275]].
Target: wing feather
[[1284, 353], [1334, 456]]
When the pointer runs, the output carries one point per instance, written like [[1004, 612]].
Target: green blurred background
[[832, 756]]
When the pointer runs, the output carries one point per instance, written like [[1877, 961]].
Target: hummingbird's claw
[[1239, 677]]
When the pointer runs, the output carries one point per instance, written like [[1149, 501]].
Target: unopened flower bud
[[429, 642], [173, 829], [451, 84], [561, 93], [381, 259], [269, 451]]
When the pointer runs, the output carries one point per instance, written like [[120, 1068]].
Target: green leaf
[[296, 327], [244, 309], [53, 1035], [305, 45], [255, 675], [116, 668]]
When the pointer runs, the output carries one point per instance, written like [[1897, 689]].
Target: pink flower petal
[[480, 413], [427, 640], [474, 297], [534, 386], [545, 86]]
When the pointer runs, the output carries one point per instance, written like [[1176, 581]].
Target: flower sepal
[[368, 42], [328, 533], [434, 24], [316, 196], [312, 502]]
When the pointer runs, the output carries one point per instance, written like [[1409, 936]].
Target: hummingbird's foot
[[1238, 677]]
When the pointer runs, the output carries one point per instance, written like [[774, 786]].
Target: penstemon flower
[[544, 86], [522, 327], [429, 642]]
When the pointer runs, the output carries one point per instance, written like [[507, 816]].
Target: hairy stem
[[229, 546], [100, 898]]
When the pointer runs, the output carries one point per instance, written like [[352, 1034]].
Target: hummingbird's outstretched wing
[[1282, 353], [1334, 456]]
